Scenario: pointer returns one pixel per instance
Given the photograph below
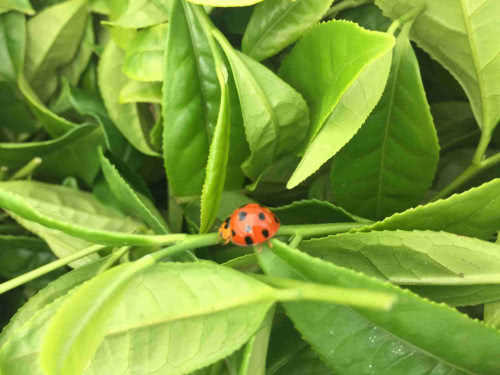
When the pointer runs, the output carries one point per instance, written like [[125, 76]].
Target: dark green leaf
[[191, 99], [12, 45], [347, 338], [390, 163], [138, 205]]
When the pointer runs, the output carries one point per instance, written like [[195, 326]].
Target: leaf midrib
[[260, 298]]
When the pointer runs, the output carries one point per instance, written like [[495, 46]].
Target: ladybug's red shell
[[252, 224]]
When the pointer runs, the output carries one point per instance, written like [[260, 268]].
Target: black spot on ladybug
[[262, 216], [265, 233], [248, 228], [242, 215], [248, 240], [233, 233]]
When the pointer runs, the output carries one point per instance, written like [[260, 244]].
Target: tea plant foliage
[[129, 132]]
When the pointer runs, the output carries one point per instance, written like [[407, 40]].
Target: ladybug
[[251, 224]]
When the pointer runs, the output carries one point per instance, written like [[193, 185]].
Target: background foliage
[[129, 130]]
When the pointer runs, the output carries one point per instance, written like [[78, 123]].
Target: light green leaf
[[474, 213], [412, 258], [75, 331], [225, 3], [77, 213], [492, 314], [126, 117], [347, 338], [275, 24], [191, 98], [144, 57], [53, 38], [463, 295], [55, 125], [215, 177], [341, 69], [76, 67], [170, 301], [143, 13], [464, 36], [137, 204], [275, 116], [23, 6], [143, 92], [46, 296], [12, 45], [390, 163]]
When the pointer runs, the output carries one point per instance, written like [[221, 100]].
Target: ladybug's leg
[[258, 248], [270, 244], [227, 241]]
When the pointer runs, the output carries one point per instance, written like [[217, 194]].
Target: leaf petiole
[[407, 17]]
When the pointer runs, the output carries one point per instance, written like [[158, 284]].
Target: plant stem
[[346, 4], [196, 241], [410, 16], [40, 271], [113, 258], [313, 230], [478, 164], [27, 170], [296, 240], [295, 290]]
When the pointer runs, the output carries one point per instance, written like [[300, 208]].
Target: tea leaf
[[17, 5], [143, 92], [390, 163], [341, 85], [12, 45], [142, 13], [471, 28], [275, 24]]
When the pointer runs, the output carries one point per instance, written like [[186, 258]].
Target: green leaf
[[341, 85], [170, 301], [144, 57], [53, 38], [142, 13], [473, 28], [215, 177], [46, 296], [191, 98], [225, 3], [76, 67], [368, 16], [77, 213], [143, 92], [15, 155], [390, 163], [75, 331], [347, 338], [126, 117], [15, 114], [275, 116], [23, 6], [455, 124], [463, 295], [53, 124], [87, 104], [492, 314], [474, 213], [137, 204], [12, 45], [412, 258], [275, 24], [22, 254], [313, 212]]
